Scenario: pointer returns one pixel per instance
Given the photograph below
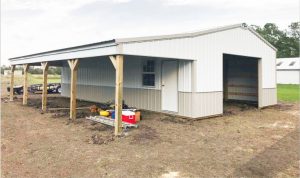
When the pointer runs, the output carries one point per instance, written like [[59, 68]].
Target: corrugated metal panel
[[185, 104], [96, 82], [200, 104], [208, 50], [149, 99], [185, 76], [100, 72], [207, 104], [190, 104], [143, 98], [269, 97]]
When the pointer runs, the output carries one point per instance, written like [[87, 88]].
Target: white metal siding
[[207, 104], [185, 76], [208, 50], [135, 97], [100, 72], [197, 105], [288, 76], [269, 97]]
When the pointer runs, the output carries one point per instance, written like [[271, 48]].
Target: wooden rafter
[[113, 61]]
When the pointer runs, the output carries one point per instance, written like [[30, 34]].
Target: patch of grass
[[38, 79], [32, 79], [289, 93]]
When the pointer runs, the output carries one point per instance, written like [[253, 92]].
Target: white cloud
[[30, 26]]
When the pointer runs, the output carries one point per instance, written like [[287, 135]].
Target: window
[[279, 64], [149, 73], [292, 63]]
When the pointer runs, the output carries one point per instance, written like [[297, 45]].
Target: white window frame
[[153, 72]]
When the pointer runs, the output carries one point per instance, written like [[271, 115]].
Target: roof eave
[[64, 50]]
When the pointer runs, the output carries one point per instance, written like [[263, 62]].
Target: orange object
[[93, 108], [137, 116]]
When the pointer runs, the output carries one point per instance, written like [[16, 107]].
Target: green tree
[[286, 41]]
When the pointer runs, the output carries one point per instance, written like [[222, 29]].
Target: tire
[[58, 89]]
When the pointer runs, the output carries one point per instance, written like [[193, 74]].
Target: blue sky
[[30, 26]]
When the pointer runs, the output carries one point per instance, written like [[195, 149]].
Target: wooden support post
[[45, 66], [119, 93], [25, 86], [73, 63], [11, 91]]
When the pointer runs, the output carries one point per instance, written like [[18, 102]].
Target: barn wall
[[208, 52], [96, 82], [185, 76], [200, 104], [100, 72], [288, 76], [149, 99], [269, 97], [203, 91]]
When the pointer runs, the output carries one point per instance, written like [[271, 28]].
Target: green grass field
[[32, 79], [289, 93], [38, 79]]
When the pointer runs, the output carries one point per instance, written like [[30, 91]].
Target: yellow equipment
[[104, 113]]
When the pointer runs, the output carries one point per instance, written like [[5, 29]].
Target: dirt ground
[[245, 142]]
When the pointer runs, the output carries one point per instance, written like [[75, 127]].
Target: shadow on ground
[[273, 159]]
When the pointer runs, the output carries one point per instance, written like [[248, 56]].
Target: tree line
[[286, 41]]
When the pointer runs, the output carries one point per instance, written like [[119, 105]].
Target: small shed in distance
[[288, 70]]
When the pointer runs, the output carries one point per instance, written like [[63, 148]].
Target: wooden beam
[[25, 85], [119, 94], [73, 64], [45, 66], [113, 61], [242, 86], [225, 78], [242, 94], [11, 92]]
